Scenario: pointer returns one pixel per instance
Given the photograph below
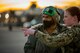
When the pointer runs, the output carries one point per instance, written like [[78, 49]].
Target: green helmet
[[51, 11]]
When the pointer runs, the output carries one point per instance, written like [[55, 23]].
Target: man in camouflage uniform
[[56, 35], [33, 45]]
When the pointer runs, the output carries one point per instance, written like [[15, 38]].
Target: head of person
[[49, 17], [71, 16]]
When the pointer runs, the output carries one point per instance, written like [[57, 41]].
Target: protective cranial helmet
[[51, 11]]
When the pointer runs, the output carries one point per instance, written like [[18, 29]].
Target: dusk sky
[[5, 4]]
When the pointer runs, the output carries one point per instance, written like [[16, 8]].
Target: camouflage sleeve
[[58, 40], [36, 26]]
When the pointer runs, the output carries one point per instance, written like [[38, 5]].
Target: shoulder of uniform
[[37, 25], [77, 26], [63, 25]]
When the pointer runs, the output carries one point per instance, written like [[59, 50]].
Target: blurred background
[[18, 12], [15, 14]]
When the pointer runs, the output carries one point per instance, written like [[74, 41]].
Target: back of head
[[74, 11]]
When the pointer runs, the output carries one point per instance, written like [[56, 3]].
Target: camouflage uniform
[[34, 45], [68, 39]]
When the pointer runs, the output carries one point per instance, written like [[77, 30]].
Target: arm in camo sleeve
[[60, 39], [36, 26]]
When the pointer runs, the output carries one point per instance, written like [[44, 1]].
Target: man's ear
[[57, 18]]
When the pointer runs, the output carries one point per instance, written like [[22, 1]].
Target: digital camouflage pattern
[[33, 45], [68, 39]]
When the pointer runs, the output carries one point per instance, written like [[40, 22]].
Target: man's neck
[[51, 29]]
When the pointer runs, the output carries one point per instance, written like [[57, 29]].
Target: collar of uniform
[[55, 31]]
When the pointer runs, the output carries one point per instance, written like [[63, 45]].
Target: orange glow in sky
[[24, 4]]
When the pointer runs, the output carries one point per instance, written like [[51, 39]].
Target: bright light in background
[[7, 16], [0, 15]]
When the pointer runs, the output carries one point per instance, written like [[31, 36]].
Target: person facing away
[[49, 17], [68, 38]]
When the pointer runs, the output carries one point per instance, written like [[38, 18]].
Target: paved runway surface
[[11, 41]]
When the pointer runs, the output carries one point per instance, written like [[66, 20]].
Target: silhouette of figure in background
[[10, 27]]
